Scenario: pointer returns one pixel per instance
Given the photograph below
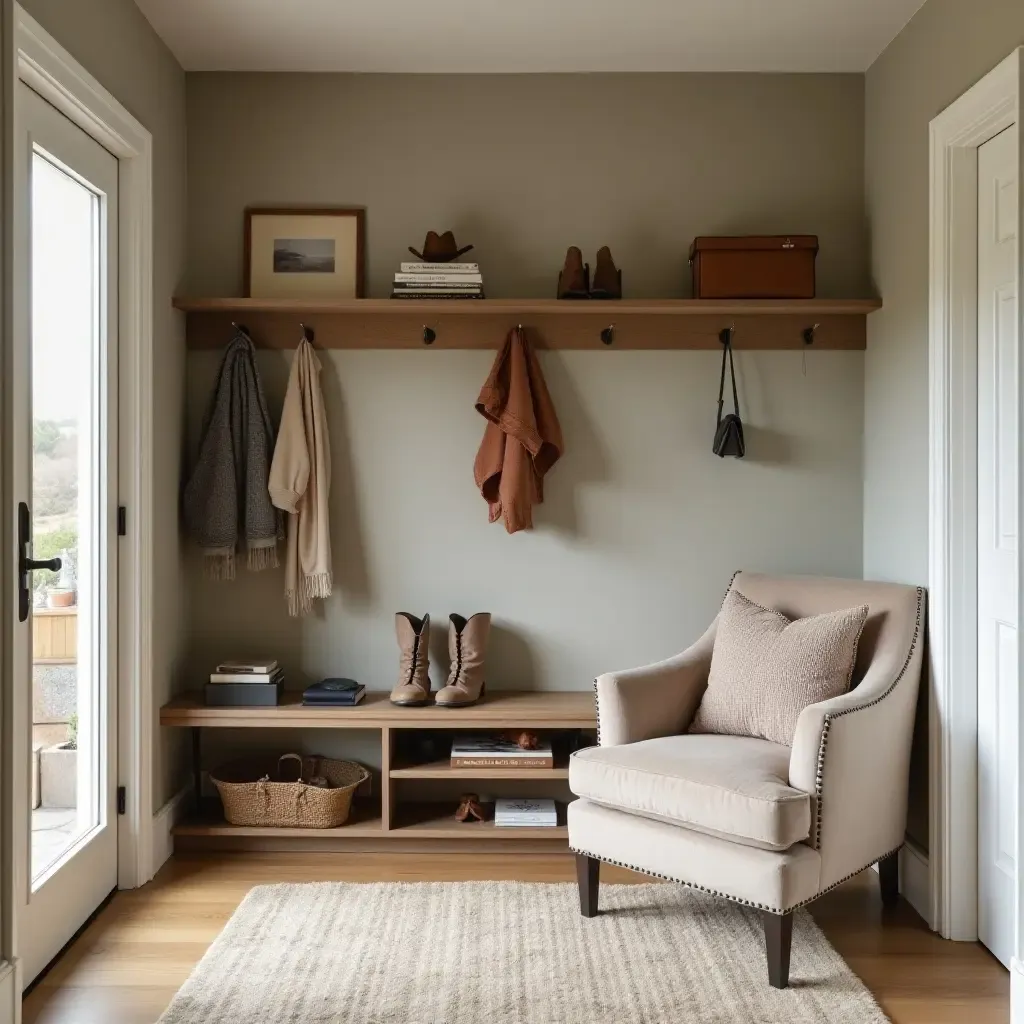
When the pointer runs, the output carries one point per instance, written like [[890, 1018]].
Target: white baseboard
[[10, 994], [915, 881], [163, 821], [1016, 992]]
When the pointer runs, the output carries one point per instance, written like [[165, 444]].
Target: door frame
[[988, 108], [44, 65]]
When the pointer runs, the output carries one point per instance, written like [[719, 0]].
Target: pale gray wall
[[525, 165], [947, 47], [640, 532], [116, 44], [643, 526]]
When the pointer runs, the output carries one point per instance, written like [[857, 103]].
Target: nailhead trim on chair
[[727, 896], [819, 781], [680, 881], [853, 874]]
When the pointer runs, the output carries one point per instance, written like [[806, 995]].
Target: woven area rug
[[508, 953]]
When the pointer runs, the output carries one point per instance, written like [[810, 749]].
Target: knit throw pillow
[[766, 668]]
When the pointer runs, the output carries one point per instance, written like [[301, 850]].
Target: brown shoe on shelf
[[574, 280], [413, 686], [607, 282], [470, 808], [467, 645]]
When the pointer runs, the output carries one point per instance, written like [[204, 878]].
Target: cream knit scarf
[[300, 483]]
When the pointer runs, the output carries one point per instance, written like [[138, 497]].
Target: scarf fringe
[[317, 586], [263, 556], [219, 565]]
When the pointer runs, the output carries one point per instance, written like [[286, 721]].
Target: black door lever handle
[[26, 563]]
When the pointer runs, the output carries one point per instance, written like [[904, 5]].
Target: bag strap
[[291, 757], [726, 338]]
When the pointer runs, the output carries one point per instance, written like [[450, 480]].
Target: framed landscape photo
[[304, 254]]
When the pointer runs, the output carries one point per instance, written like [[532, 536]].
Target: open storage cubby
[[394, 812]]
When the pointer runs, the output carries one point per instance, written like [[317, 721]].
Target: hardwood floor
[[128, 964]]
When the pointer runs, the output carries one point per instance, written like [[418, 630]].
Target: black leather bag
[[729, 429]]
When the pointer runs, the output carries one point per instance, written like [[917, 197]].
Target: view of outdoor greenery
[[54, 494]]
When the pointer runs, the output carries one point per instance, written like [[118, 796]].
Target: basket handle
[[287, 757]]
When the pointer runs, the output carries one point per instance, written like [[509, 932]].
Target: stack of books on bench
[[438, 281], [495, 752], [245, 682]]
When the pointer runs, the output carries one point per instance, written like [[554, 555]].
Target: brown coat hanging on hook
[[522, 439], [729, 429]]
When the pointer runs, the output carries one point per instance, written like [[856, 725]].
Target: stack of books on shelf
[[520, 812], [333, 693], [495, 752], [245, 682], [438, 281]]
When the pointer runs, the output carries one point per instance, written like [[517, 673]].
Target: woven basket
[[256, 792]]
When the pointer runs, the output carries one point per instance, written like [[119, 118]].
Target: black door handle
[[26, 563], [53, 564]]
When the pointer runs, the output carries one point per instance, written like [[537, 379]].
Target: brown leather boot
[[413, 686], [574, 280], [467, 645], [607, 280]]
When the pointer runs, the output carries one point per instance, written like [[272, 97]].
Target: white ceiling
[[528, 35]]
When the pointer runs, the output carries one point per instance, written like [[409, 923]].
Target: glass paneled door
[[65, 472]]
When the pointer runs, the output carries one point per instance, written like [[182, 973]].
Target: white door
[[65, 472], [998, 442]]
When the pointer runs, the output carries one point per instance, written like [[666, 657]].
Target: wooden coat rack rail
[[632, 324]]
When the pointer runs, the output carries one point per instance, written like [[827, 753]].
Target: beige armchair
[[765, 825]]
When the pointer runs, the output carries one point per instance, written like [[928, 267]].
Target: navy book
[[334, 692]]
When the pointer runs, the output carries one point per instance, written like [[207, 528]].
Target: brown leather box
[[754, 266]]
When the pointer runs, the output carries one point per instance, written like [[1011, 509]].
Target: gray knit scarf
[[226, 498]]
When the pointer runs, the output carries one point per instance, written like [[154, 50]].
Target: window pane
[[66, 262]]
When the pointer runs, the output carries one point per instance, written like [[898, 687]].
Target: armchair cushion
[[733, 787], [766, 668]]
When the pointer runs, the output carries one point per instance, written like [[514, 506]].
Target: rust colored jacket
[[522, 440]]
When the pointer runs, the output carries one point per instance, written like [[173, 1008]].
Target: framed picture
[[304, 254]]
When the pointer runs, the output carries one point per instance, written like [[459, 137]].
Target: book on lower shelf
[[247, 665], [523, 812], [495, 752], [244, 695], [334, 693], [252, 678]]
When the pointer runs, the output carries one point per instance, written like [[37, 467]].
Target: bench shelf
[[390, 815]]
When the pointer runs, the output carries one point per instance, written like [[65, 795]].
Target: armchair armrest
[[853, 754], [656, 700]]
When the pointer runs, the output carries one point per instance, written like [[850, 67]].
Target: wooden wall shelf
[[482, 324], [390, 814]]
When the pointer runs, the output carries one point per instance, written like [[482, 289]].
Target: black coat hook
[[725, 335], [429, 335], [808, 334], [608, 334], [240, 327], [307, 333]]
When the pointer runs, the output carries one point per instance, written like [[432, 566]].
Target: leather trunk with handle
[[754, 266]]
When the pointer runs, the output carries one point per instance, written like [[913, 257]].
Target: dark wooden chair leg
[[588, 872], [778, 938], [889, 879]]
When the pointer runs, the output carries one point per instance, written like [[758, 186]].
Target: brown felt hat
[[440, 248]]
